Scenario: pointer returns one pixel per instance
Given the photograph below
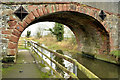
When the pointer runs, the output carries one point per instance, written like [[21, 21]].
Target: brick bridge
[[94, 34]]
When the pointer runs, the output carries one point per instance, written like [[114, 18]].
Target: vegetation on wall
[[39, 33]]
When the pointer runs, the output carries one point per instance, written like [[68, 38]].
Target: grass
[[68, 44], [5, 70], [105, 58], [51, 42], [116, 53]]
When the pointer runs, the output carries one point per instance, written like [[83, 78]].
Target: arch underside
[[91, 35]]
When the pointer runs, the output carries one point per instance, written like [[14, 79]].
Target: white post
[[37, 48], [75, 69], [51, 56], [42, 54], [32, 46]]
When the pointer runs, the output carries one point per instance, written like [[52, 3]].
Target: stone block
[[12, 23], [13, 39], [27, 20], [19, 28], [31, 16], [40, 12], [35, 12], [12, 45], [6, 32], [44, 10], [16, 33], [23, 24], [12, 52]]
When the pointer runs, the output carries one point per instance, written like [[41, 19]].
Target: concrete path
[[24, 68]]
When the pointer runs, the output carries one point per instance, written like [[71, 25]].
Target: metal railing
[[87, 72]]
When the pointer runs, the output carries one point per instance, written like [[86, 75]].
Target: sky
[[45, 25], [33, 28]]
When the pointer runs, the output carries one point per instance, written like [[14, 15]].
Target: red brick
[[57, 7], [12, 52], [64, 7], [85, 10], [32, 7], [23, 24], [27, 20], [31, 16], [92, 12], [88, 11], [11, 18], [78, 8], [16, 33], [67, 7], [12, 45], [35, 12], [7, 37], [104, 23], [60, 7], [44, 10], [12, 23], [81, 9], [19, 28], [13, 39], [40, 12], [6, 32], [52, 7], [20, 23], [48, 11]]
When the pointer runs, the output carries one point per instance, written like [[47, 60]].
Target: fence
[[73, 74]]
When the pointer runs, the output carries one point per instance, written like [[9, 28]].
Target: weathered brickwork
[[90, 39]]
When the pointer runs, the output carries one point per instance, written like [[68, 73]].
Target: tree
[[28, 34], [39, 32], [58, 31]]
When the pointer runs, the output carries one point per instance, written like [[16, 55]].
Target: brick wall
[[15, 27]]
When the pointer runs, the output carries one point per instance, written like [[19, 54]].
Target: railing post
[[25, 43], [75, 69], [32, 46], [42, 54], [37, 48], [51, 64]]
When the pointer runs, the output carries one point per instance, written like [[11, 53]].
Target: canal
[[100, 68]]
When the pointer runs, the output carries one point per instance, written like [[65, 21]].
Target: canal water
[[100, 68]]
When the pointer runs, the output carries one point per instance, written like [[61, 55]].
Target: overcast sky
[[45, 25], [33, 28]]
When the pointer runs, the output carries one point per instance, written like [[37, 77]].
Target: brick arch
[[35, 13]]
